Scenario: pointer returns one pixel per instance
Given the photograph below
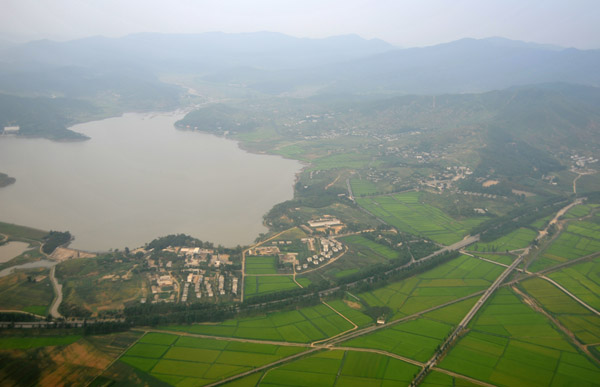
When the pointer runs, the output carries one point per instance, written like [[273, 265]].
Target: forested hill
[[517, 129], [45, 117], [99, 77], [274, 63]]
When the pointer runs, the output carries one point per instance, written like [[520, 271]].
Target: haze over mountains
[[276, 63], [51, 85]]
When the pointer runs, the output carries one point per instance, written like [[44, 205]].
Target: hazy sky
[[573, 23]]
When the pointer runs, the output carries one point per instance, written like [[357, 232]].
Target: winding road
[[58, 295]]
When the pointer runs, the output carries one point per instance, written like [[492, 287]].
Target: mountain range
[[274, 63]]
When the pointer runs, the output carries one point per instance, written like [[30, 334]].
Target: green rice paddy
[[368, 246], [257, 285], [261, 265], [407, 213], [579, 320], [341, 368], [510, 344], [517, 239], [362, 187], [580, 211], [344, 160], [500, 258], [583, 280], [11, 342], [578, 240], [416, 339], [452, 280], [185, 360], [438, 379], [299, 326]]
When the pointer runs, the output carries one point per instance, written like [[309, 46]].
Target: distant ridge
[[275, 63]]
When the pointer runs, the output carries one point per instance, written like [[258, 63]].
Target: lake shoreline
[[145, 119]]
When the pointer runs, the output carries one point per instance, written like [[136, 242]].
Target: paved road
[[350, 193], [266, 366], [571, 295], [568, 293], [456, 246], [381, 352], [224, 338], [58, 295], [465, 321], [373, 328]]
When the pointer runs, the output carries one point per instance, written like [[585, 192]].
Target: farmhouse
[[165, 280], [324, 222], [11, 129], [264, 250]]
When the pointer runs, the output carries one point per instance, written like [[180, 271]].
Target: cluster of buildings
[[328, 249], [375, 176], [203, 285], [582, 162], [326, 224], [483, 195], [446, 179], [182, 274], [164, 287]]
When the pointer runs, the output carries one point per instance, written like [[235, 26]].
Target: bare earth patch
[[63, 253], [489, 183]]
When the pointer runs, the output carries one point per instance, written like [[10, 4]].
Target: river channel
[[139, 178]]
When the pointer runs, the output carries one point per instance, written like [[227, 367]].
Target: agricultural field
[[185, 360], [517, 239], [24, 342], [578, 240], [52, 360], [259, 285], [438, 379], [452, 280], [369, 247], [588, 183], [540, 224], [352, 311], [583, 280], [510, 344], [29, 291], [407, 213], [361, 187], [246, 381], [344, 160], [341, 368], [580, 211], [416, 339], [261, 265], [298, 326], [584, 324], [500, 258], [293, 151]]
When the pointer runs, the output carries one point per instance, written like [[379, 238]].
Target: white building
[[11, 129]]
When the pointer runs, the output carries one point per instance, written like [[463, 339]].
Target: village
[[300, 255], [191, 274]]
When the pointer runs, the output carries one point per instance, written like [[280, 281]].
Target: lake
[[139, 178], [30, 265], [11, 250]]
